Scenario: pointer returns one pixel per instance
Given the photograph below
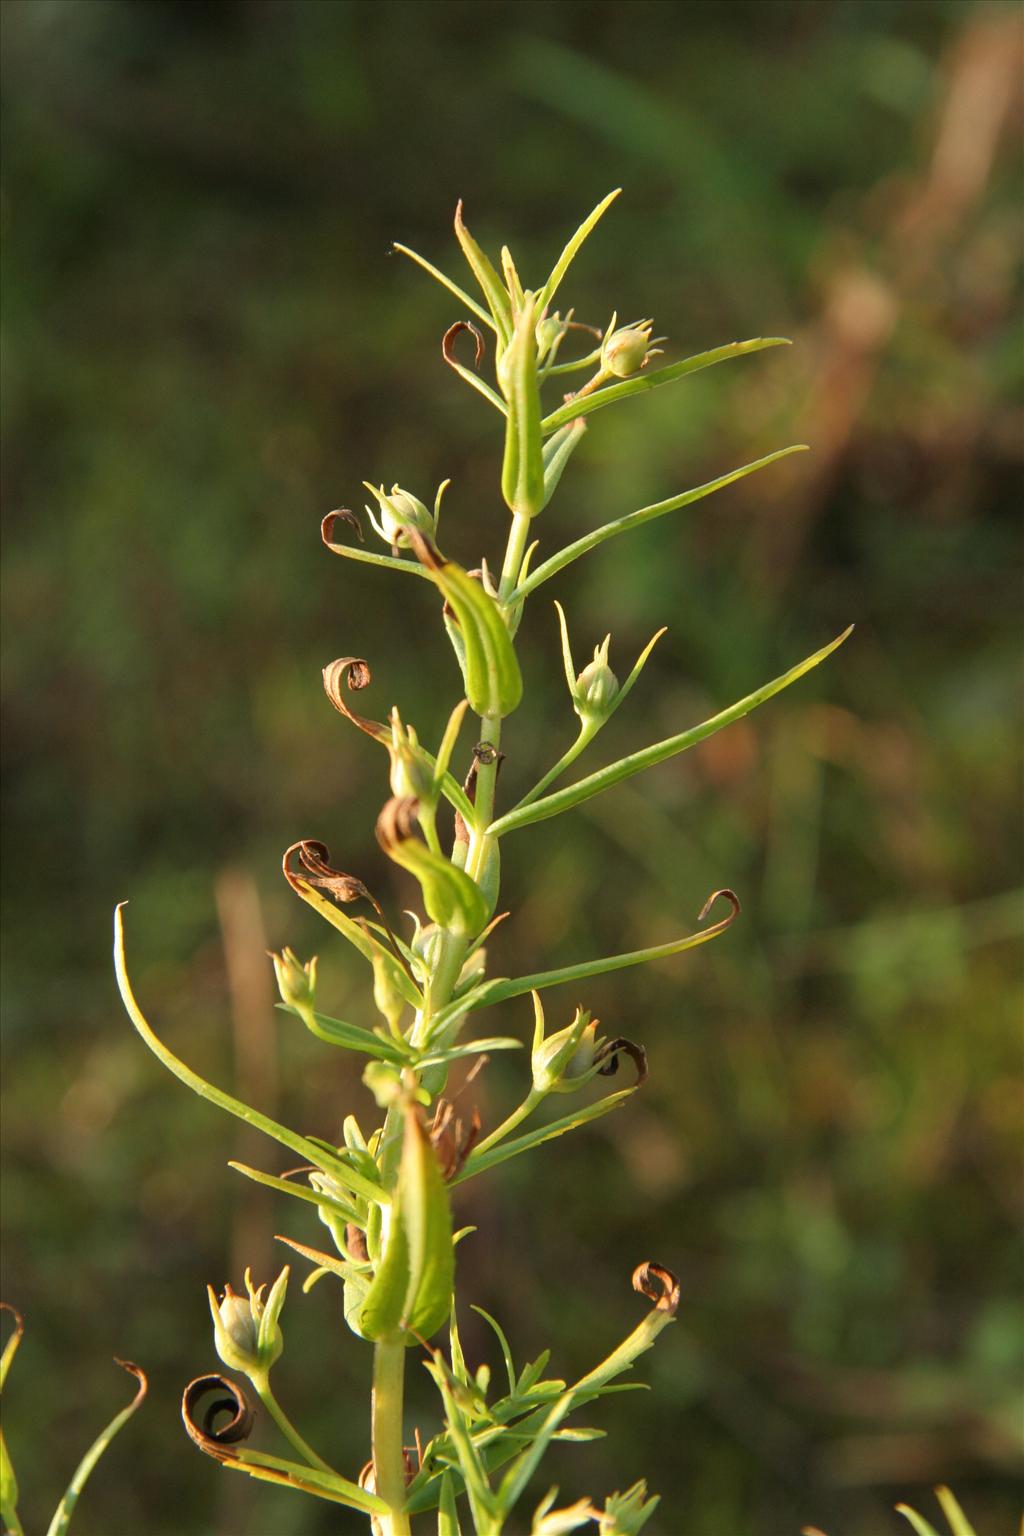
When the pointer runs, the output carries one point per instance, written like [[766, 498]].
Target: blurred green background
[[207, 347]]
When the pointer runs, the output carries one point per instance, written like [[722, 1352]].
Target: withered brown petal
[[347, 516], [448, 343], [608, 1055], [314, 857], [355, 672], [221, 1395], [658, 1283]]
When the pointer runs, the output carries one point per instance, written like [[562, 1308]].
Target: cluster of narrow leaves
[[385, 1197]]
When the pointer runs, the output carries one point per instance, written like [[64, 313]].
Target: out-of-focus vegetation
[[207, 348]]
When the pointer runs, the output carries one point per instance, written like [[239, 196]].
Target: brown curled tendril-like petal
[[397, 821], [659, 1284], [225, 1396], [448, 343], [347, 516], [353, 671], [608, 1055], [314, 857], [725, 922]]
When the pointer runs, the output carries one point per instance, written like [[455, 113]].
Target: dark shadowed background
[[207, 347]]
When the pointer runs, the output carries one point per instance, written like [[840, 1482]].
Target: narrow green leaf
[[446, 282], [11, 1347], [501, 989], [328, 1261], [356, 934], [65, 1509], [480, 1163], [468, 1048], [8, 1492], [351, 1037], [490, 283], [642, 382], [309, 1151], [447, 1514], [524, 1466], [959, 1524], [367, 556], [506, 1351], [494, 684], [563, 557], [558, 450], [297, 1191], [291, 1474], [648, 757], [920, 1524], [567, 257]]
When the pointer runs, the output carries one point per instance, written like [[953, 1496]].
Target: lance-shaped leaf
[[8, 1481], [522, 471], [310, 1151], [411, 1290], [648, 757], [494, 684], [490, 283], [297, 1191], [352, 1037], [65, 1509], [563, 557], [583, 405], [480, 1162], [567, 257], [446, 282], [557, 452], [501, 989], [451, 898]]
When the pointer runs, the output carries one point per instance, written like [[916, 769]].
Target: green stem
[[519, 533], [388, 1461], [287, 1428], [529, 1104], [587, 733]]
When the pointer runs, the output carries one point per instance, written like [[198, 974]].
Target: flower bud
[[627, 350], [399, 510], [550, 330], [411, 771], [296, 982], [387, 994], [565, 1061], [246, 1332], [597, 684]]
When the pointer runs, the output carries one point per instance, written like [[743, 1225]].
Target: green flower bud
[[628, 349], [597, 685], [411, 771], [565, 1061], [296, 982], [550, 331], [246, 1332], [398, 511], [387, 994]]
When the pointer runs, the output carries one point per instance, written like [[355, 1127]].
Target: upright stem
[[388, 1461]]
